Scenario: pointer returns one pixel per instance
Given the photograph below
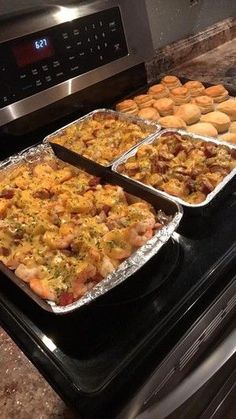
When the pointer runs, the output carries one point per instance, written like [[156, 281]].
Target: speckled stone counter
[[216, 66], [24, 394], [211, 57]]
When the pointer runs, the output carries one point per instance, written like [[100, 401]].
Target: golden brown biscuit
[[203, 128], [220, 120], [149, 113], [180, 95], [232, 127], [228, 107], [229, 136], [158, 91], [195, 88], [127, 106], [205, 103], [143, 101], [171, 82], [164, 106], [172, 121], [189, 112], [218, 93]]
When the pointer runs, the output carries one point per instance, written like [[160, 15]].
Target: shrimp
[[115, 245], [61, 239], [41, 288], [140, 211], [84, 273], [26, 273], [105, 267], [94, 254], [79, 289], [19, 254], [139, 234]]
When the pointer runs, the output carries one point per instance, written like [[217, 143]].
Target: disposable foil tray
[[130, 265], [228, 180], [150, 126]]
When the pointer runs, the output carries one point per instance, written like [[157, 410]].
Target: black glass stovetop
[[96, 356]]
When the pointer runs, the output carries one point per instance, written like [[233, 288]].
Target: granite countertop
[[216, 66], [23, 391], [24, 394]]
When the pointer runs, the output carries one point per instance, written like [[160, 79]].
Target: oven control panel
[[44, 59]]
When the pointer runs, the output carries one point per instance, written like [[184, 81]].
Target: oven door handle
[[192, 383]]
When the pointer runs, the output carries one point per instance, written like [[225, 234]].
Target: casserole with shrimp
[[103, 136], [180, 165], [62, 231]]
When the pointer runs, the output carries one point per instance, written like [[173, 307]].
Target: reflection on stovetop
[[94, 343]]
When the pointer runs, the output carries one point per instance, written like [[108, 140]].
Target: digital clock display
[[32, 51], [41, 43]]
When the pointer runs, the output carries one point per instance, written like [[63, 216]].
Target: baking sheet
[[128, 267], [153, 127], [209, 197], [183, 80]]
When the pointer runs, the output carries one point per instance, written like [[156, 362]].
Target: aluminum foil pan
[[128, 267], [210, 196], [153, 127], [29, 155]]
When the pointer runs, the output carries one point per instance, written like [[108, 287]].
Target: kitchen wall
[[171, 20]]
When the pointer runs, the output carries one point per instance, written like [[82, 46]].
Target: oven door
[[209, 391], [198, 377]]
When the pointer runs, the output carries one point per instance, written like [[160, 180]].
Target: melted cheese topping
[[102, 138], [61, 231], [181, 166]]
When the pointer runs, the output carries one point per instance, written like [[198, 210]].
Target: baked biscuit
[[143, 101], [172, 121], [195, 88], [205, 103], [220, 120], [171, 82], [158, 91], [228, 107], [232, 127], [149, 113], [189, 112], [203, 128], [218, 93], [180, 95], [127, 106], [165, 106], [230, 137]]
